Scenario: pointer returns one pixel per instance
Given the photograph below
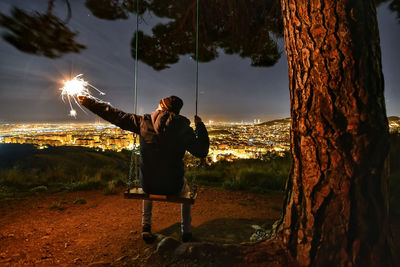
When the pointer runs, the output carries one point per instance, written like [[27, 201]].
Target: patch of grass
[[24, 169], [57, 206], [255, 175], [276, 207], [5, 191], [86, 183], [256, 180], [107, 175], [250, 198], [38, 189], [79, 201], [242, 203], [110, 188], [17, 179]]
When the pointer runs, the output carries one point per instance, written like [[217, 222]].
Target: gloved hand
[[81, 99]]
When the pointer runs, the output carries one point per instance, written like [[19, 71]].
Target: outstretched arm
[[125, 121], [200, 142]]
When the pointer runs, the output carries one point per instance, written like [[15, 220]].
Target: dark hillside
[[23, 168], [11, 153], [269, 123]]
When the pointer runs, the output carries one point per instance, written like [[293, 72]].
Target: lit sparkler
[[74, 88]]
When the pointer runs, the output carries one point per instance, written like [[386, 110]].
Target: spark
[[73, 89], [72, 113]]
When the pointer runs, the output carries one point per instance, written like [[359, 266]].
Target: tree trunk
[[336, 212]]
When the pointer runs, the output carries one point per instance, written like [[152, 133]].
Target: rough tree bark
[[337, 209]]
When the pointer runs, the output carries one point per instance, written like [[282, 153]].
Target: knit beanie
[[172, 103]]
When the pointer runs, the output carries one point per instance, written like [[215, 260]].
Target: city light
[[232, 141], [228, 142]]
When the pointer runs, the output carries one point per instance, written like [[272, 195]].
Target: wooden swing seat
[[186, 196]]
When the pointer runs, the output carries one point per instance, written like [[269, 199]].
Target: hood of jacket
[[163, 121]]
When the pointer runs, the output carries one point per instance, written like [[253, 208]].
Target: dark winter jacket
[[164, 138]]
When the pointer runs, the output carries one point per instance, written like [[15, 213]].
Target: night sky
[[230, 89]]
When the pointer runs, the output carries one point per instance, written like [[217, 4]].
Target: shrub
[[255, 175], [5, 191], [110, 188], [57, 206], [40, 188], [121, 182], [86, 184], [206, 176], [106, 175], [79, 201], [256, 180]]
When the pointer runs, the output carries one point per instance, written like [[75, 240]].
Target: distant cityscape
[[228, 140]]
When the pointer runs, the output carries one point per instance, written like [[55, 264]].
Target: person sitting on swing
[[164, 137]]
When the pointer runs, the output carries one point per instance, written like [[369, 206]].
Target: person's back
[[164, 137]]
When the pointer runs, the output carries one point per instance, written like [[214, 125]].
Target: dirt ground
[[106, 229]]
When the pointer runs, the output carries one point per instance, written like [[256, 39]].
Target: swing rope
[[133, 157], [193, 190], [197, 53], [136, 181]]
